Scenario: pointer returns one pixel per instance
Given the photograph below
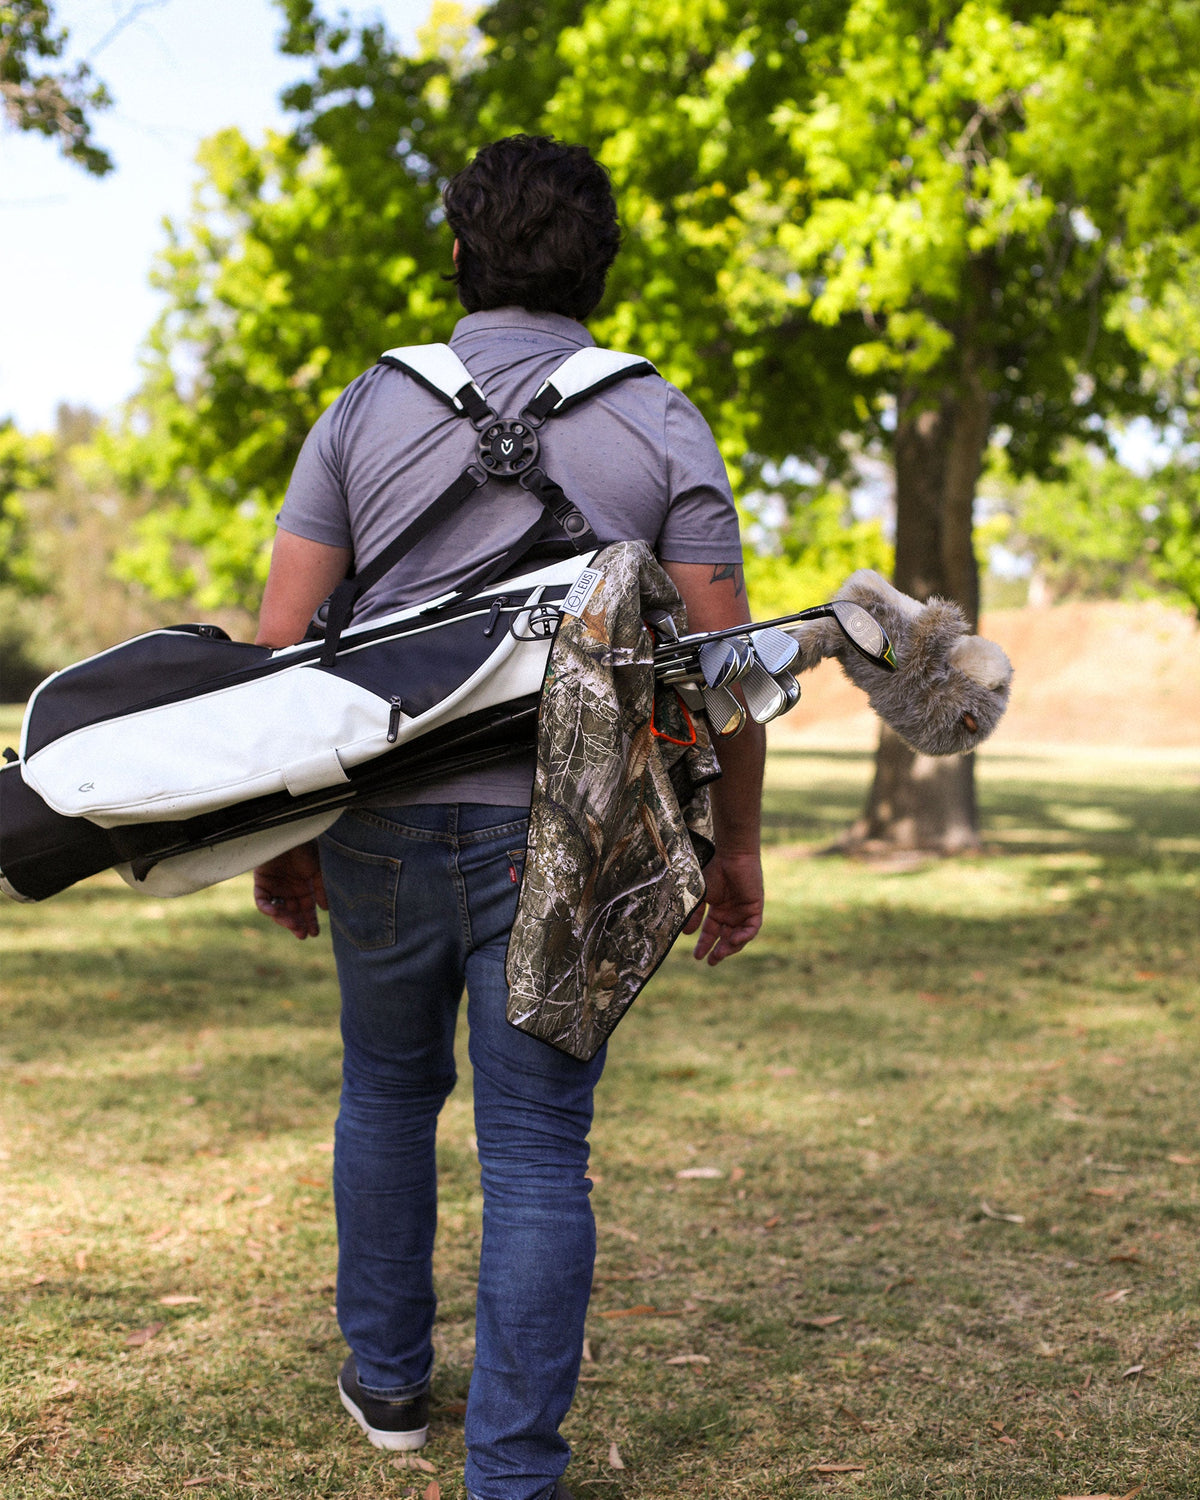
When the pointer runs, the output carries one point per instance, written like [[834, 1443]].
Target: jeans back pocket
[[362, 889]]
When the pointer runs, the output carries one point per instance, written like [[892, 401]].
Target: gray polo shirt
[[638, 459]]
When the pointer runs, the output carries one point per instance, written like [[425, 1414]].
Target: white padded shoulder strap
[[588, 370], [437, 367]]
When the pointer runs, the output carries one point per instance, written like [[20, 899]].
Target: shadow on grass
[[824, 791]]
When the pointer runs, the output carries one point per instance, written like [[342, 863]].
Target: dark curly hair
[[536, 225]]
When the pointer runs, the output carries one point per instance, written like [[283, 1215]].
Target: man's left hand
[[732, 910], [289, 889]]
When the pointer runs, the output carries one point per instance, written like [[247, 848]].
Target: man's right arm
[[715, 598]]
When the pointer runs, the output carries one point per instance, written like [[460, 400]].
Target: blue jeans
[[421, 900]]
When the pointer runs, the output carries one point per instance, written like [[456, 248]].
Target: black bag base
[[43, 853]]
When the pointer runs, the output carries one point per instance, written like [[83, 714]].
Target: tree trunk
[[919, 801]]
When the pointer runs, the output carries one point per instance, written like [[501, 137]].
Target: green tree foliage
[[42, 95], [64, 515], [26, 464], [899, 223], [1088, 533], [1167, 329]]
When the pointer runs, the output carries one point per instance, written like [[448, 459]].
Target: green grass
[[907, 1055]]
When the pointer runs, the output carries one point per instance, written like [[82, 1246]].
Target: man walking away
[[422, 891]]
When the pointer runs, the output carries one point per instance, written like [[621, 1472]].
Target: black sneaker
[[388, 1424]]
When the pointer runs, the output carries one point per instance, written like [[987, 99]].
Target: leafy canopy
[[40, 97]]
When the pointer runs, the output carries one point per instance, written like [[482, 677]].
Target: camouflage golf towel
[[620, 826]]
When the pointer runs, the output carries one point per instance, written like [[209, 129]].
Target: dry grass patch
[[904, 1202]]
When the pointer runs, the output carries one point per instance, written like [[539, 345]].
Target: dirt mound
[[1094, 674]]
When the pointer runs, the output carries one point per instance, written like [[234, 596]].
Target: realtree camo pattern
[[620, 826]]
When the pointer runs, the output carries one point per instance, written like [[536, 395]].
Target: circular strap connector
[[507, 448]]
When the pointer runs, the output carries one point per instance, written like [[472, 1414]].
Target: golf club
[[775, 649], [725, 713], [764, 696]]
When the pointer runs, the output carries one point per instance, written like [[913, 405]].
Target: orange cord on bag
[[670, 740]]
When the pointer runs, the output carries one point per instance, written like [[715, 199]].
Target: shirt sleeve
[[701, 524], [315, 504]]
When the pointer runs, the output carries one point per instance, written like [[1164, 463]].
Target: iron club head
[[764, 696], [775, 649], [725, 713]]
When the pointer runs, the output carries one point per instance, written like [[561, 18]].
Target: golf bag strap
[[568, 515], [439, 369], [582, 375], [350, 590]]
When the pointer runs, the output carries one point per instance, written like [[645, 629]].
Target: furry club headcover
[[950, 688]]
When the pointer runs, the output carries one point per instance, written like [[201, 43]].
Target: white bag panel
[[437, 365], [588, 367], [314, 773], [198, 754], [185, 873]]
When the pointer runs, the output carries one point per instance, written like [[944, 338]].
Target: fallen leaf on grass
[[320, 1182], [614, 1458], [433, 1491], [1132, 1371], [38, 1279], [192, 1484], [81, 1259], [772, 1222], [454, 1408], [839, 1468], [1103, 1192], [642, 1310], [177, 1299], [1131, 1256], [692, 1173], [690, 1359], [989, 1212], [142, 1336], [588, 1357], [1180, 1160], [1118, 1295], [826, 1322], [414, 1461]]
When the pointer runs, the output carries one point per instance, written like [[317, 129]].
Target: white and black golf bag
[[182, 757]]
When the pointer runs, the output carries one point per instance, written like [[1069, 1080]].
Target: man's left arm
[[289, 888], [715, 598]]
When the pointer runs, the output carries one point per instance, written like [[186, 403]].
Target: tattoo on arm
[[722, 571]]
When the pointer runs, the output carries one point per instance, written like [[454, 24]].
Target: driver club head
[[724, 712], [864, 633]]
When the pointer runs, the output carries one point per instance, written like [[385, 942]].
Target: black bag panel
[[41, 852], [422, 669], [134, 675]]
